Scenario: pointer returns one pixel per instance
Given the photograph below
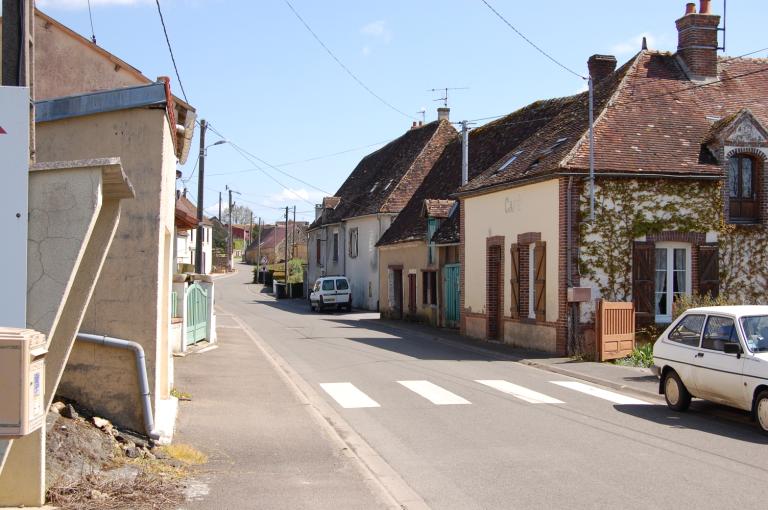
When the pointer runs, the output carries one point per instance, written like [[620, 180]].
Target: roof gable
[[737, 129]]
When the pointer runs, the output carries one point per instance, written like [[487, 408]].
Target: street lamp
[[200, 195]]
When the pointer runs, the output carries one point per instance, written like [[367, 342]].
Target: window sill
[[744, 223]]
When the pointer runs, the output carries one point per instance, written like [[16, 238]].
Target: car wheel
[[320, 305], [675, 392], [761, 410]]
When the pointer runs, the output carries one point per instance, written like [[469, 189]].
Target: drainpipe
[[569, 265], [141, 369]]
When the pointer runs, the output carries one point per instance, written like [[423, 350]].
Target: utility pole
[[18, 63], [219, 205], [591, 151], [250, 235], [259, 249], [200, 190], [229, 238], [286, 250], [464, 152], [293, 234]]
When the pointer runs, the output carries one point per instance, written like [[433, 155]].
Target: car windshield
[[756, 332]]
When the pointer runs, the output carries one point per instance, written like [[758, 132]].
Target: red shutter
[[709, 270], [540, 280], [515, 281], [643, 283]]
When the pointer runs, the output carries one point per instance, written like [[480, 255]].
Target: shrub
[[642, 356], [697, 300]]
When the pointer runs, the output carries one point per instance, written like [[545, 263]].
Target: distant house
[[680, 197], [91, 104], [343, 237], [186, 235], [273, 243]]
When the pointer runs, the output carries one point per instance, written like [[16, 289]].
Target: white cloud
[[378, 30], [83, 4], [634, 44]]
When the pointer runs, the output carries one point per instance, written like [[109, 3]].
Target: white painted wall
[[186, 244], [363, 270]]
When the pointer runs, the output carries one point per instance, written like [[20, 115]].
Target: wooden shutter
[[709, 270], [643, 282], [514, 281], [318, 247], [540, 280]]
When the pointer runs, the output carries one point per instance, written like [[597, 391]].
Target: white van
[[331, 291]]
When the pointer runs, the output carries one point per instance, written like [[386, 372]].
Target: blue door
[[451, 298], [197, 313]]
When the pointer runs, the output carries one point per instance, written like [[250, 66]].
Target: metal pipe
[[141, 369], [591, 150], [569, 264], [464, 152]]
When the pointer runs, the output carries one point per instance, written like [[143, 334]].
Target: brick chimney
[[443, 113], [697, 40], [601, 66]]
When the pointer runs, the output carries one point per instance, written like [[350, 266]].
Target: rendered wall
[[412, 256], [132, 298], [531, 208], [327, 265], [363, 270]]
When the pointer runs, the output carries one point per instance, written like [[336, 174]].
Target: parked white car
[[718, 353], [331, 291]]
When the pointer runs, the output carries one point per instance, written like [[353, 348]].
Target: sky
[[260, 78]]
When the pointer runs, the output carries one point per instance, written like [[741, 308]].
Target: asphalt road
[[521, 438]]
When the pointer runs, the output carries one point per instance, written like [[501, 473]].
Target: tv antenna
[[444, 91], [423, 112]]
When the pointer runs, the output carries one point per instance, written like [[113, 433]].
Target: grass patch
[[185, 453], [180, 394]]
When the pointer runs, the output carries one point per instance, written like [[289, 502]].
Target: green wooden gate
[[451, 273], [197, 313]]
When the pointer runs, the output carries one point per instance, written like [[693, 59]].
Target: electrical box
[[579, 294], [22, 379]]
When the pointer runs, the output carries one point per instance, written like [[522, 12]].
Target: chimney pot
[[443, 113], [690, 8], [704, 6], [413, 125], [601, 66]]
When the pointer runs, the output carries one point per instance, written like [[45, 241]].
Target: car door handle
[[699, 355]]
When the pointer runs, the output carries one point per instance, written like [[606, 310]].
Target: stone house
[[680, 197], [92, 104], [343, 237]]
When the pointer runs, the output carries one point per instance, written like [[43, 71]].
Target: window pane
[[661, 259], [327, 284], [661, 281], [688, 330], [756, 331], [679, 259], [746, 178], [342, 284], [733, 177], [719, 331]]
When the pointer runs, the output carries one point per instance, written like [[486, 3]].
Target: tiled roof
[[186, 214], [448, 232], [487, 144], [436, 208], [384, 180], [650, 119]]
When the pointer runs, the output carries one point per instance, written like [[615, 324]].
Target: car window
[[327, 284], [688, 330], [756, 332], [342, 284], [317, 286], [718, 332]]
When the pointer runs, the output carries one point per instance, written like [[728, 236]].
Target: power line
[[90, 15], [341, 64], [170, 50], [308, 160], [550, 57]]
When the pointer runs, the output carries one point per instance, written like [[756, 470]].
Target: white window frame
[[670, 247]]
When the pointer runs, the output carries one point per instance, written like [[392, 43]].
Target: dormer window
[[743, 187]]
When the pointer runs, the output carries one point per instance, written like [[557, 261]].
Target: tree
[[220, 235], [241, 215]]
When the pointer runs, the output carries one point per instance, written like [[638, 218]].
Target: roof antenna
[[725, 19], [445, 90], [645, 44], [90, 15], [423, 112]]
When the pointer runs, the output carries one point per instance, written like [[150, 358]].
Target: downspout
[[569, 262], [141, 369]]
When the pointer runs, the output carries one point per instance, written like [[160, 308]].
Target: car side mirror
[[732, 348]]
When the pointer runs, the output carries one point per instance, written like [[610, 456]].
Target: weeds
[[641, 356]]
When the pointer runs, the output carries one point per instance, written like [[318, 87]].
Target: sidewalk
[[266, 449], [639, 381]]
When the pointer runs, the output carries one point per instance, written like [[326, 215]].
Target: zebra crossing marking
[[348, 396], [434, 393], [528, 395], [616, 398]]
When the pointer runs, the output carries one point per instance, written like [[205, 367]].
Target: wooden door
[[397, 276], [412, 294], [494, 289], [451, 274]]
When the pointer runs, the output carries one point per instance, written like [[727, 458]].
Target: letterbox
[[22, 381]]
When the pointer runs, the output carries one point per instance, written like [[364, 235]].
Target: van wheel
[[761, 410], [675, 393], [320, 305]]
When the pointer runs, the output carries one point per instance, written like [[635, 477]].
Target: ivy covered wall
[[630, 209]]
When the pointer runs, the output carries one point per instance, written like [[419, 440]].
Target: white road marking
[[434, 393], [348, 396], [616, 398], [530, 396]]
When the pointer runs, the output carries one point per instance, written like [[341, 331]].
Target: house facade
[[342, 239], [91, 104], [679, 199], [186, 236]]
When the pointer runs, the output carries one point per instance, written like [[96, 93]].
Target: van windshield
[[342, 284], [756, 332]]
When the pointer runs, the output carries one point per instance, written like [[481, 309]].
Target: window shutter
[[515, 281], [709, 270], [540, 280], [643, 283]]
